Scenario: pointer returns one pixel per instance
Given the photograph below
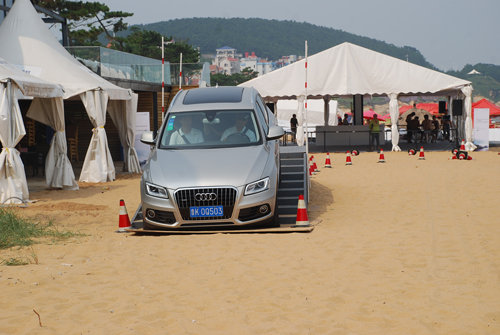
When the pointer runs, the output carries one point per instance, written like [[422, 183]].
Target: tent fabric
[[28, 85], [348, 69], [126, 130], [353, 70], [484, 103], [32, 46], [393, 111], [26, 41], [98, 165], [467, 91], [58, 170], [13, 185], [300, 137]]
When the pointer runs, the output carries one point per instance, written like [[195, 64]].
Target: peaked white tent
[[13, 82], [348, 69], [27, 41]]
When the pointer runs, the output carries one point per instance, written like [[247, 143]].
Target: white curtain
[[467, 91], [58, 170], [300, 121], [98, 165], [394, 112], [13, 184], [123, 114], [333, 119]]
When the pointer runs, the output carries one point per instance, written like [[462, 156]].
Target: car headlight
[[257, 186], [156, 191]]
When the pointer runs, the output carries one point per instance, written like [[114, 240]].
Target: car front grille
[[224, 197]]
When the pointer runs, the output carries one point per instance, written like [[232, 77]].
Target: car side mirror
[[274, 133], [147, 138]]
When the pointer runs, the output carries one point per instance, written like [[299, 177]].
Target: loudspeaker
[[457, 107], [442, 107]]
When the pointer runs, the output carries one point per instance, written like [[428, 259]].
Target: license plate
[[205, 211]]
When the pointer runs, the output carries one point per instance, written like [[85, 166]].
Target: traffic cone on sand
[[421, 156], [411, 152], [328, 163], [314, 164], [381, 158], [302, 220], [124, 221], [462, 145], [348, 158]]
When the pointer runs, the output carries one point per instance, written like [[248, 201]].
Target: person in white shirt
[[241, 128], [186, 134]]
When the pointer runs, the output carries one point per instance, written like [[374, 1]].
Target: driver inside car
[[240, 127], [186, 134]]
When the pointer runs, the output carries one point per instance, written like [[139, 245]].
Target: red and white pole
[[180, 74], [162, 79], [305, 116]]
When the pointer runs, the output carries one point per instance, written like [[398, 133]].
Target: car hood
[[206, 167]]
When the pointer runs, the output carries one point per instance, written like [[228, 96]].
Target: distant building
[[264, 67], [249, 61], [286, 60], [226, 60]]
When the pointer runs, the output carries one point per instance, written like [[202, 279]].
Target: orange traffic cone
[[411, 152], [328, 163], [302, 220], [462, 145], [461, 156], [124, 221], [314, 164], [421, 156], [348, 158], [381, 158], [354, 152]]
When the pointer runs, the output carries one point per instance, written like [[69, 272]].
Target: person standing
[[374, 130], [293, 126]]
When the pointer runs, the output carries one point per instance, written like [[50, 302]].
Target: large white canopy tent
[[348, 69], [26, 41], [14, 84]]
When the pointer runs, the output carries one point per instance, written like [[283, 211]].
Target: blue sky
[[449, 33]]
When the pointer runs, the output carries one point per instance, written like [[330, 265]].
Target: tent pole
[[306, 129]]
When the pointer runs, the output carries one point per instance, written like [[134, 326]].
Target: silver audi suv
[[214, 163]]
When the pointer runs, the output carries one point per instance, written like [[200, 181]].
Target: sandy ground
[[406, 247]]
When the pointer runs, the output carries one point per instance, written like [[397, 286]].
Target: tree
[[234, 79], [87, 20], [148, 43]]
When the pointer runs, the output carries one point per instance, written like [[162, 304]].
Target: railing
[[122, 65]]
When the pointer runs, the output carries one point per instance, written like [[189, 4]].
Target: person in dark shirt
[[293, 126]]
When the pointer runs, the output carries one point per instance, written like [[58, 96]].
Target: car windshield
[[200, 129]]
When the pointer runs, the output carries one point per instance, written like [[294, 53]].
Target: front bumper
[[246, 210]]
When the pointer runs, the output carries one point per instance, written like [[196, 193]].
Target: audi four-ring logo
[[205, 196]]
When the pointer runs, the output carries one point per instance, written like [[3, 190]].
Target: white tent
[[348, 69], [27, 41], [13, 83]]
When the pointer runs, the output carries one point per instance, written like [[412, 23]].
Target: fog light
[[263, 209], [150, 214]]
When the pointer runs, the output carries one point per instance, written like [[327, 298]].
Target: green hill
[[271, 39], [486, 83]]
